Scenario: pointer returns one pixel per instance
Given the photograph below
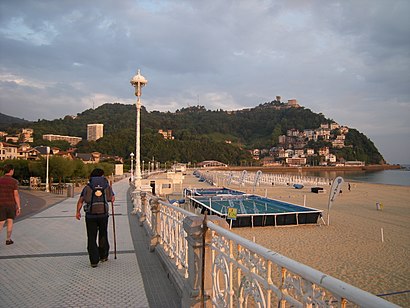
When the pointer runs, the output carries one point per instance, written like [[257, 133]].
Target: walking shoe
[[94, 265], [9, 242]]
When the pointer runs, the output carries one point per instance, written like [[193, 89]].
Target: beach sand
[[351, 247]]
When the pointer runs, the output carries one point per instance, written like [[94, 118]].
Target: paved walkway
[[48, 266]]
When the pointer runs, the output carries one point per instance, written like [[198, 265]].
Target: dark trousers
[[97, 225]]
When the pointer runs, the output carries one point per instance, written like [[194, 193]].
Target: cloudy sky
[[349, 60]]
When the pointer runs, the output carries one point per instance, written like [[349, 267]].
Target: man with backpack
[[96, 195]]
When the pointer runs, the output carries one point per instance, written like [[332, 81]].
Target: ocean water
[[392, 177]]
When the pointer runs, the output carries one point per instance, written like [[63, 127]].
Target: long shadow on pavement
[[158, 288]]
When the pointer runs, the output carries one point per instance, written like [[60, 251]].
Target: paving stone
[[48, 265]]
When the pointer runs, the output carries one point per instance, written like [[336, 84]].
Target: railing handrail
[[330, 283], [178, 209]]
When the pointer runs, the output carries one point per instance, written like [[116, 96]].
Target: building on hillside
[[281, 153], [310, 152], [324, 125], [289, 153], [70, 139], [324, 151], [293, 103], [166, 133], [8, 151], [323, 132], [334, 125], [296, 161], [95, 131], [255, 154], [64, 154], [89, 158], [269, 161], [13, 139], [32, 154], [354, 163], [26, 135], [331, 158], [282, 139], [113, 158], [43, 150], [310, 134], [300, 152], [22, 151], [339, 142], [292, 132], [344, 130]]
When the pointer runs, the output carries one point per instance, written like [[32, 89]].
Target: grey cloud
[[347, 59]]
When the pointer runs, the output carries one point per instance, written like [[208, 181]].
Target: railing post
[[143, 208], [136, 200], [156, 225], [193, 225]]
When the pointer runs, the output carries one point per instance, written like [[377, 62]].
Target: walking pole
[[113, 226]]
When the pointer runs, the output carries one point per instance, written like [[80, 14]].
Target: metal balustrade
[[173, 235], [214, 267], [267, 179], [246, 274]]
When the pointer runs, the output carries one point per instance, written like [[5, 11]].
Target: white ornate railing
[[218, 268], [245, 274], [268, 179], [173, 235]]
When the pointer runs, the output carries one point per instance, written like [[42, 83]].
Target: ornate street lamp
[[138, 82], [132, 170]]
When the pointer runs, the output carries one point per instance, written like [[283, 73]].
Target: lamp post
[[138, 82], [47, 169], [132, 170]]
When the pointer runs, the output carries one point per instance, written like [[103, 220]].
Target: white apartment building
[[95, 131], [7, 151], [70, 139]]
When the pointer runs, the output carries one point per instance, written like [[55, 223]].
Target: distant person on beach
[[96, 195], [9, 201], [348, 186]]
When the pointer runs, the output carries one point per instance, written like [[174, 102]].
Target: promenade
[[48, 265]]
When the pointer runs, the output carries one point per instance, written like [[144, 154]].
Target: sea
[[391, 177]]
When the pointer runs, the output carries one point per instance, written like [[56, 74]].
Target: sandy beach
[[351, 247]]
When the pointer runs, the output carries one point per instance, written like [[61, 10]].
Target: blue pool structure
[[252, 210]]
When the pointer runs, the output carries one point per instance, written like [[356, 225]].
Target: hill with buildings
[[271, 133]]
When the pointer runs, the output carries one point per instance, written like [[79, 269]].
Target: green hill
[[200, 134]]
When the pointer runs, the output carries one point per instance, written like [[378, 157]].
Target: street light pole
[[132, 170], [47, 169], [138, 82]]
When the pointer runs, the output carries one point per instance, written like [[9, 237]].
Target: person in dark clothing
[[9, 201], [96, 221]]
